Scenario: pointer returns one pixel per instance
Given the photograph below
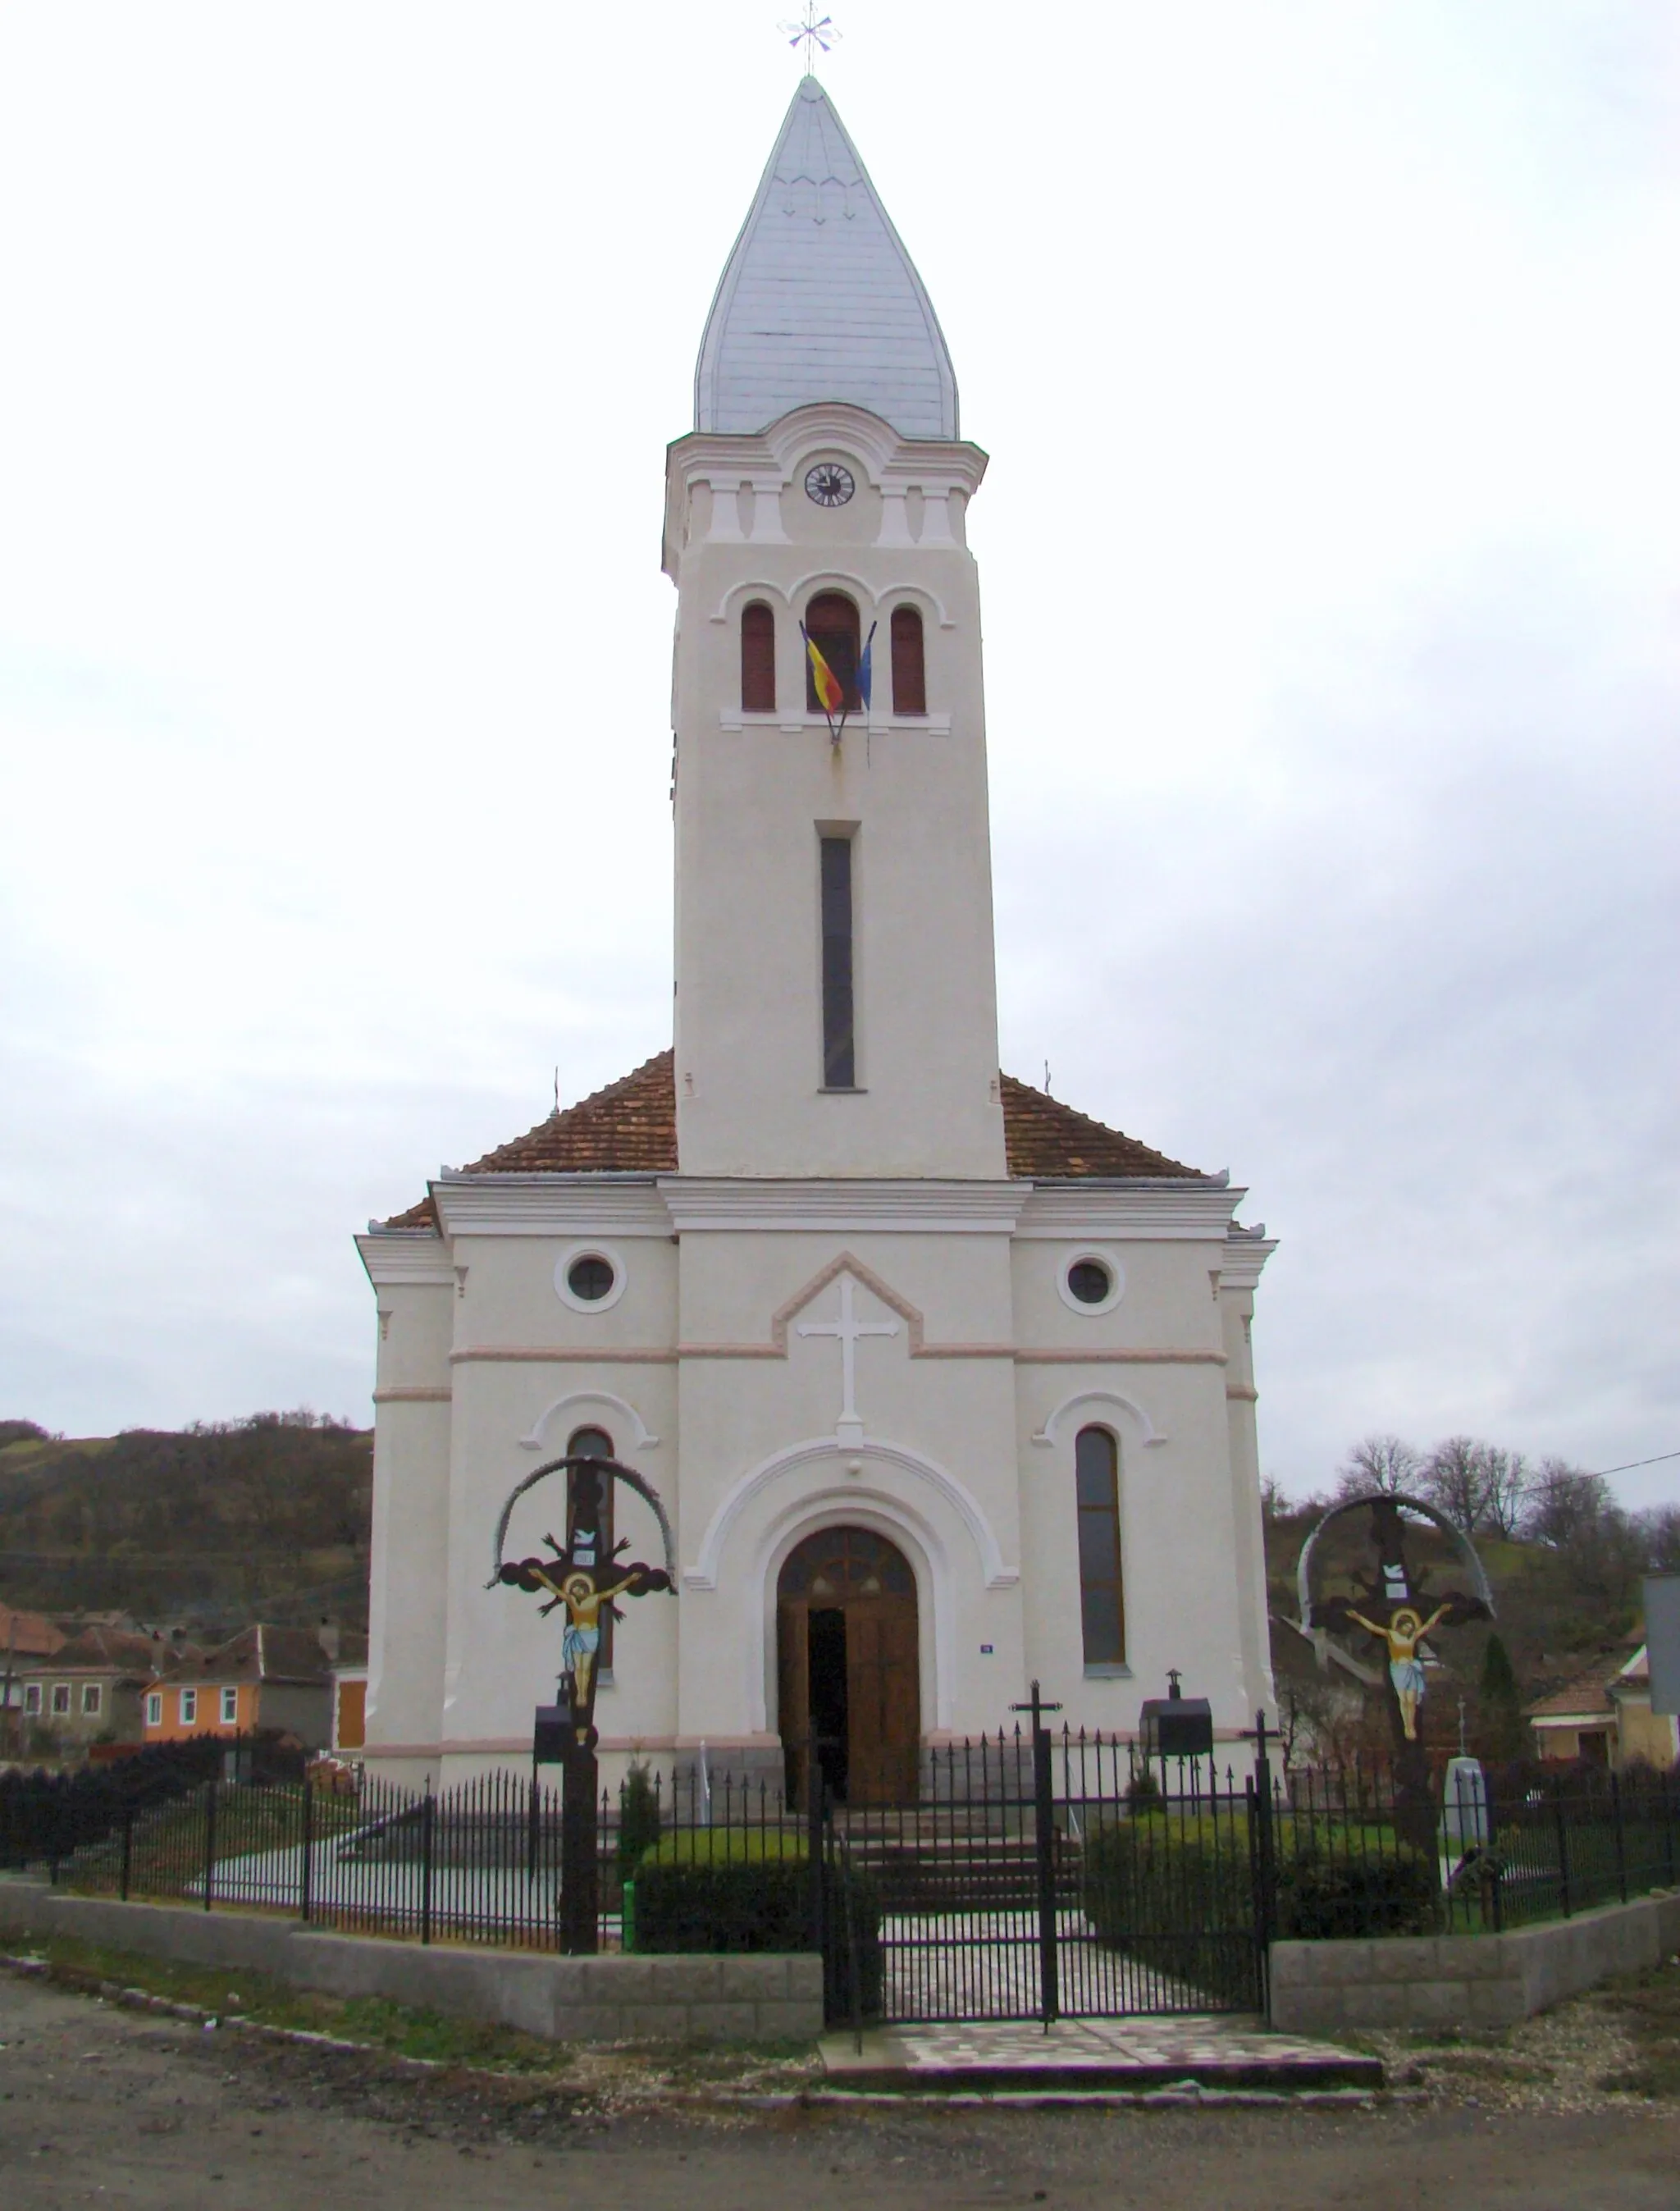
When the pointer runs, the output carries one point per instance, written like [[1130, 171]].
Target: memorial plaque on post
[[553, 1737], [1175, 1726]]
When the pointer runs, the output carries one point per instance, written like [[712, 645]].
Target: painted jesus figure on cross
[[849, 1330]]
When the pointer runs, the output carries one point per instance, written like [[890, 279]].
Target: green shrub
[[728, 1846], [725, 1891], [1177, 1894], [1322, 1898]]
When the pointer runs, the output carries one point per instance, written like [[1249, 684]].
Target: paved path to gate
[[1212, 2050], [950, 1965]]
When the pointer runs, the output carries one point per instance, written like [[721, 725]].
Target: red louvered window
[[757, 659], [910, 674]]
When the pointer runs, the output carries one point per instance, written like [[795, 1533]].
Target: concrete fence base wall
[[565, 1999], [1465, 1980]]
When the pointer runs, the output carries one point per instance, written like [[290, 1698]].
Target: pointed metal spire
[[819, 299]]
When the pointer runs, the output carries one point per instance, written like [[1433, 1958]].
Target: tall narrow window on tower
[[757, 659], [909, 677], [831, 625], [1101, 1599], [839, 1045]]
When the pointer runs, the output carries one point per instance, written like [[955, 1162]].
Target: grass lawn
[[411, 2031]]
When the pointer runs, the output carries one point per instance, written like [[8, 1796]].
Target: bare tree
[[1505, 1485], [1385, 1463], [1660, 1527], [1563, 1504], [1456, 1480]]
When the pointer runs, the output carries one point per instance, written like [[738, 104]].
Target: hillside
[[214, 1525], [1560, 1606]]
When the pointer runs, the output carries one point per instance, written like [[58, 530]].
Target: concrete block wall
[[1464, 1980], [610, 1999]]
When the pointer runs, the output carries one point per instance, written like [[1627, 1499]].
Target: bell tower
[[835, 1009]]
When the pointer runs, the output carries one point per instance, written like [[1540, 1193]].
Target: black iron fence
[[1035, 1875], [1521, 1846]]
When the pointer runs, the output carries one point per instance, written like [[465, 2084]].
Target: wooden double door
[[848, 1665]]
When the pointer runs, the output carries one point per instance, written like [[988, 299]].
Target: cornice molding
[[841, 1207], [401, 1395], [1165, 1212], [550, 1205], [735, 719], [1243, 1260], [406, 1261]]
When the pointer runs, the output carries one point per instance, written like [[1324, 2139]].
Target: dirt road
[[101, 2105]]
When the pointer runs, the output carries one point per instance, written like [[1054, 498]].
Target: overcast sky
[[1327, 355]]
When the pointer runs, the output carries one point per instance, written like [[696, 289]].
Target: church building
[[943, 1387]]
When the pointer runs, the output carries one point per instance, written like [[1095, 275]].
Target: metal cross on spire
[[815, 31]]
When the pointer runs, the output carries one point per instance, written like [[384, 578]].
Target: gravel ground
[[99, 2104], [1578, 2058]]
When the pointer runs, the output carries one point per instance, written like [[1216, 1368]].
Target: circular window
[[588, 1279], [1092, 1282]]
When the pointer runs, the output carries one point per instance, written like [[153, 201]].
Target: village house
[[270, 1679], [24, 1637], [1604, 1717], [91, 1688]]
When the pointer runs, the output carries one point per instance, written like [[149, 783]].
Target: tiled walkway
[[1232, 2052]]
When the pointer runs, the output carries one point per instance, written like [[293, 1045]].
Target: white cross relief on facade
[[848, 1428]]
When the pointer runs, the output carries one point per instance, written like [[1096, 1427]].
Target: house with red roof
[[90, 1688], [263, 1679], [1604, 1717]]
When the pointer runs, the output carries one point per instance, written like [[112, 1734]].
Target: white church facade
[[944, 1386]]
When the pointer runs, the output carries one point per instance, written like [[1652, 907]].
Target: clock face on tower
[[827, 484]]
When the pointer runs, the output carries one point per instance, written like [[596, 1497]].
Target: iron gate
[[1042, 1877]]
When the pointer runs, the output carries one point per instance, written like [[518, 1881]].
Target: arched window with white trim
[[910, 675], [1102, 1587], [757, 659], [831, 625]]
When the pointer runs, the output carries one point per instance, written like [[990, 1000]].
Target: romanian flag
[[829, 689]]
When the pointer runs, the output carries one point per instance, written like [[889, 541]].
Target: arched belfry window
[[910, 674], [831, 625], [596, 1443], [757, 659], [1102, 1595]]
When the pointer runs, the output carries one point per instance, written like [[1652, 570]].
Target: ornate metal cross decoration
[[815, 31]]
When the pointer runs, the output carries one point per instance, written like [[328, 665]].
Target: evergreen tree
[[1504, 1731]]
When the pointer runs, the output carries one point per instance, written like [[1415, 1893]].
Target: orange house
[[271, 1679]]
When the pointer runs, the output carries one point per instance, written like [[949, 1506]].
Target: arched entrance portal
[[849, 1666]]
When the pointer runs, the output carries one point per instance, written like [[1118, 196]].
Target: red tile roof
[[266, 1654], [630, 1128], [98, 1650], [1045, 1140], [27, 1634], [1588, 1693]]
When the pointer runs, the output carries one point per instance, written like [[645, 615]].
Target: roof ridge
[[630, 1127]]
